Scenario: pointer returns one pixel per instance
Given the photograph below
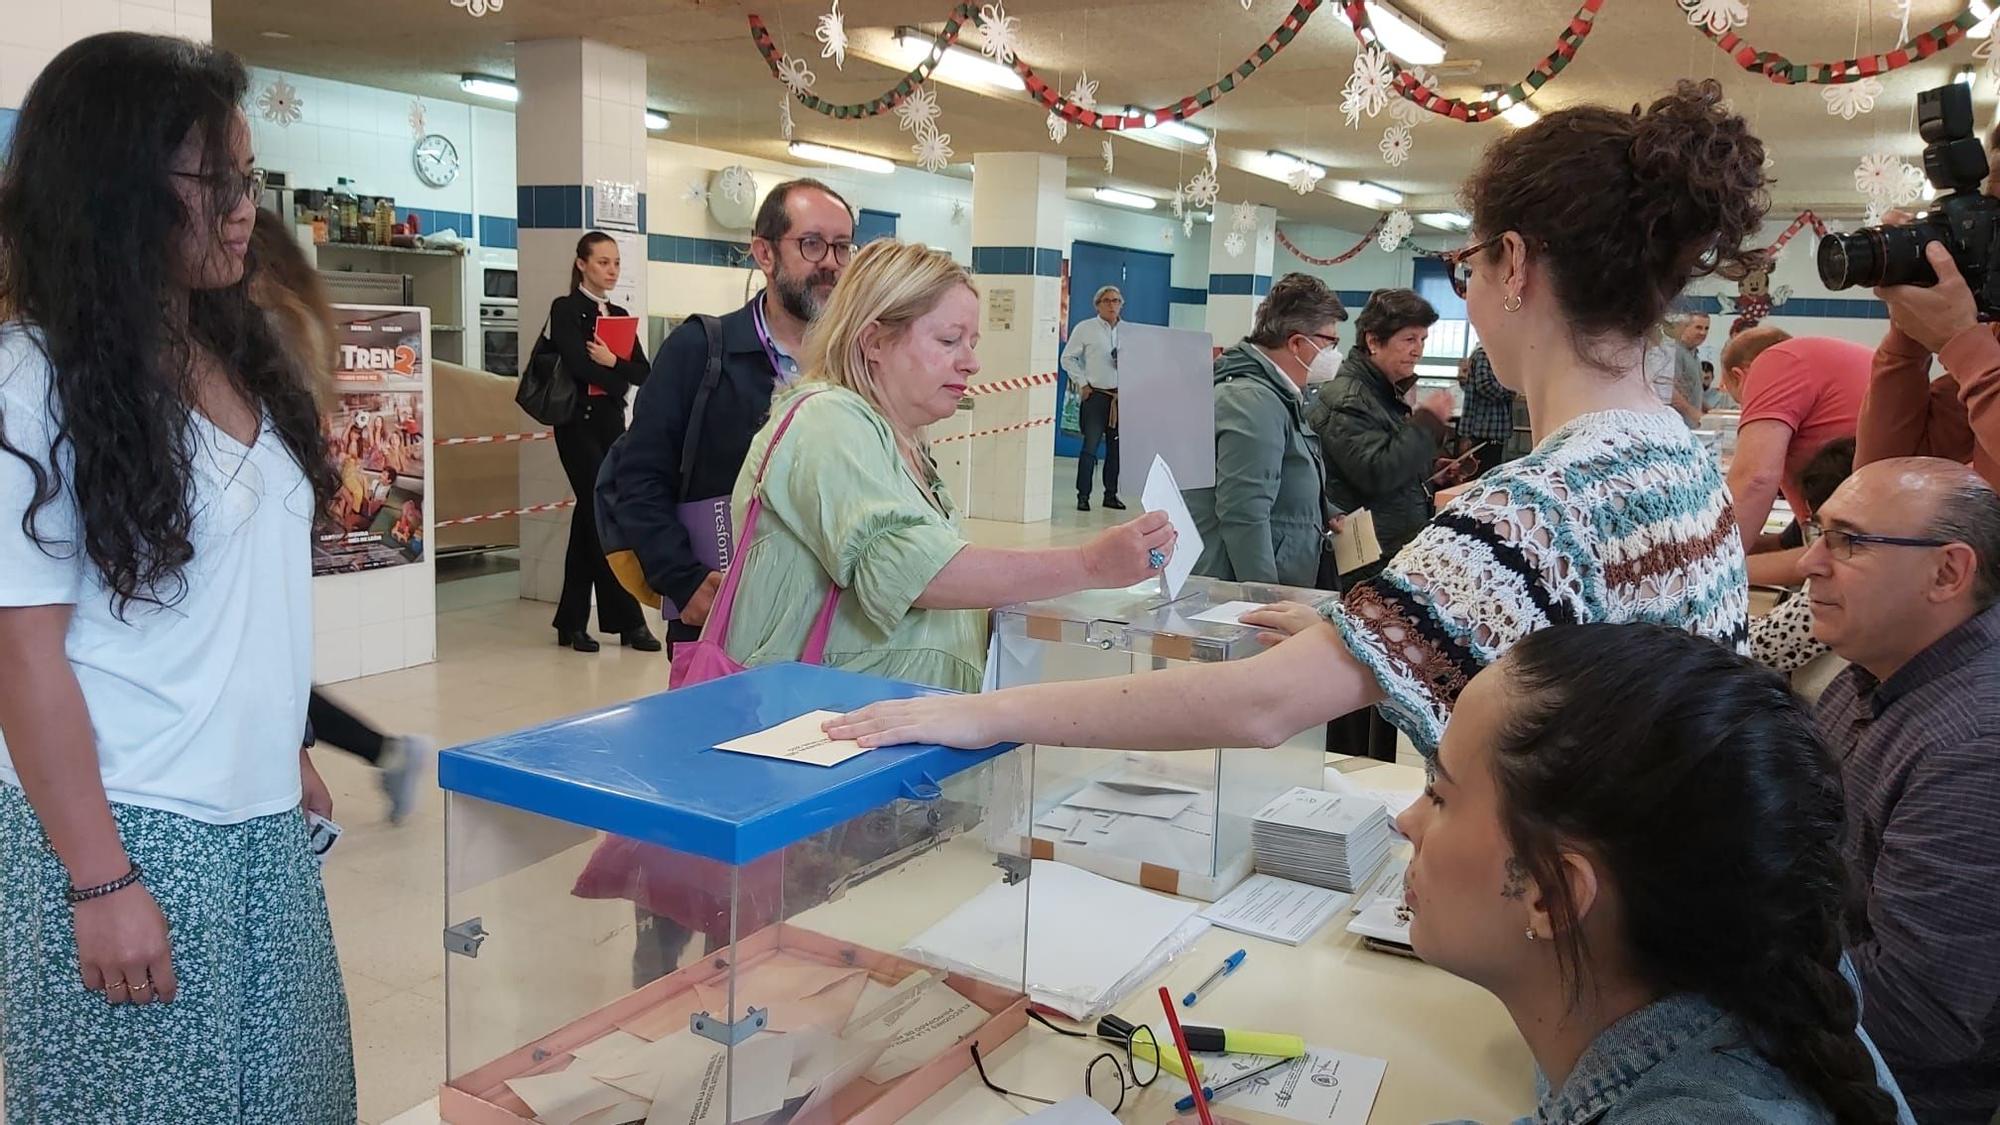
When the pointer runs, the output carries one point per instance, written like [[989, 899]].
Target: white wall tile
[[37, 25], [81, 18], [336, 602], [419, 641], [141, 17], [382, 649], [197, 27], [336, 655]]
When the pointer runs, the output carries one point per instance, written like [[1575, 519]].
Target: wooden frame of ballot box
[[481, 1097]]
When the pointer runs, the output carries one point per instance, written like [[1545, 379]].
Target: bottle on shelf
[[385, 222], [350, 212]]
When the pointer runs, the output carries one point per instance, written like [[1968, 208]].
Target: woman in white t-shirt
[[165, 952]]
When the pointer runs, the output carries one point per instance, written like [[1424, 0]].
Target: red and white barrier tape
[[491, 439], [1000, 430], [529, 511], [1021, 384]]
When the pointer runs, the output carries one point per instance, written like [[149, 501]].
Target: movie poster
[[376, 435]]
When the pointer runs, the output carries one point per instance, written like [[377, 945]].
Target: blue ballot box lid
[[649, 769]]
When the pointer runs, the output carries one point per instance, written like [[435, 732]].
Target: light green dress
[[840, 506]]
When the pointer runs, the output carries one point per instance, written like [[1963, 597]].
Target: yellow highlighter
[[1218, 1040]]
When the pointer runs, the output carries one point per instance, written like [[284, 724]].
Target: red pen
[[1187, 1060]]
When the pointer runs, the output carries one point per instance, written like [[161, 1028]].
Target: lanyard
[[764, 338]]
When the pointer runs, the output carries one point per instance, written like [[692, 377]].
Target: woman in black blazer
[[604, 381]]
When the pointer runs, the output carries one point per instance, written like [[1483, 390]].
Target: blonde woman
[[853, 499]]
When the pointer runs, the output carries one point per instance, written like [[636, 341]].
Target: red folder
[[619, 333]]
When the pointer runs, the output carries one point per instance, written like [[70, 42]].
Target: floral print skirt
[[259, 1032]]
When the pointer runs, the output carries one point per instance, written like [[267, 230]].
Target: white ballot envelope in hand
[[1163, 494]]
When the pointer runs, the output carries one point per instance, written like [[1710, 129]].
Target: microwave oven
[[499, 286]]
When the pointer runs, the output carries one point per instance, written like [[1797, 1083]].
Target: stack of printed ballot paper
[[1139, 815], [1322, 838]]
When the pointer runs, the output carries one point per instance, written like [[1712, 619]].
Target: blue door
[[1144, 277], [871, 225]]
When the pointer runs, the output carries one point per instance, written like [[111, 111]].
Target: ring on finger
[[1155, 558]]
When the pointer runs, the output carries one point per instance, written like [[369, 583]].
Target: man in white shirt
[[1091, 361]]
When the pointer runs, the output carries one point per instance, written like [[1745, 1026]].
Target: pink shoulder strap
[[725, 599]]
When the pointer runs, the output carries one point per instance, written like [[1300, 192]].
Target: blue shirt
[[1678, 1060]]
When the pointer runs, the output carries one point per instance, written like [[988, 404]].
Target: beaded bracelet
[[103, 889]]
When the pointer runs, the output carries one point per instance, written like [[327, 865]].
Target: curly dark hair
[[1388, 312], [1626, 208], [88, 219], [1694, 780], [1295, 306]]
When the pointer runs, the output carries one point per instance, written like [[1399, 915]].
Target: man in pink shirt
[[1797, 395]]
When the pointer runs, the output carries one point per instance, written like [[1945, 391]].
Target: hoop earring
[[1512, 303], [1531, 934]]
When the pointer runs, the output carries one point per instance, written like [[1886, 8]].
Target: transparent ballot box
[[639, 923], [1177, 822]]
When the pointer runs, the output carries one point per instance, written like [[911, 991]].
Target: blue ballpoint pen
[[1227, 967], [1214, 1092]]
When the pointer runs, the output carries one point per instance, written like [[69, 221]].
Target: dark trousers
[[660, 943], [582, 445], [1094, 415], [336, 726]]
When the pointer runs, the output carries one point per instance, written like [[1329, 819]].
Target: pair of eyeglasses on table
[[1107, 1079]]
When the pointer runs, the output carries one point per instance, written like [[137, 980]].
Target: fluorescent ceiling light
[[498, 89], [657, 122], [1368, 193], [1985, 14], [1520, 115], [1281, 165], [1130, 199], [957, 65], [1399, 35], [1169, 126], [845, 157], [1446, 220]]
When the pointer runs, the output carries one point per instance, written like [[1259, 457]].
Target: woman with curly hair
[[165, 952]]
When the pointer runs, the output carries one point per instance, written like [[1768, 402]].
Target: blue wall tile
[[1183, 295], [1231, 284], [1023, 261], [498, 232]]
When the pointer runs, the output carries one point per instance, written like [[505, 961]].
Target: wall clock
[[436, 160]]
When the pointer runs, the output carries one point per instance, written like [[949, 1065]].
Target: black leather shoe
[[581, 640], [1083, 503], [641, 638], [1114, 503]]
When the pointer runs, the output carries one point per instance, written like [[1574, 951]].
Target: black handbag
[[546, 391]]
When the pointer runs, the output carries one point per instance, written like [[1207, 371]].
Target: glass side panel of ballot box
[[1177, 822], [641, 924]]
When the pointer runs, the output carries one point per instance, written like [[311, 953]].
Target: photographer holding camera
[[1939, 274]]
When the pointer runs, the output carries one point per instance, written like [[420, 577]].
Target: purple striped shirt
[[1920, 756]]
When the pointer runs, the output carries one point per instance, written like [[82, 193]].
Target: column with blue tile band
[[1238, 283]]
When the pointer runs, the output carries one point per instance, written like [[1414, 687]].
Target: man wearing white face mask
[[1265, 518]]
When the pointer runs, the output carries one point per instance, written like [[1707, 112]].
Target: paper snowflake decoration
[[1876, 176], [1084, 93], [785, 124], [793, 72], [479, 8], [1166, 236], [919, 111], [1058, 127], [1110, 157], [1179, 201], [1211, 154], [832, 34], [1203, 189], [1305, 177], [1406, 112], [1902, 9], [417, 114], [1187, 224], [1875, 213], [1243, 218], [279, 104], [1985, 53], [957, 212], [932, 150], [1235, 244], [1395, 231], [1910, 187], [1397, 144], [1003, 33], [737, 184], [1847, 99], [695, 192], [1370, 87], [1718, 15]]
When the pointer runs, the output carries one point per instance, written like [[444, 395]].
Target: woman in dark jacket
[[604, 380], [1379, 451]]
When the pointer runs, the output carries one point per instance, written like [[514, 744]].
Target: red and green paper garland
[[1410, 89], [1805, 218], [1038, 88], [1345, 256], [1784, 71]]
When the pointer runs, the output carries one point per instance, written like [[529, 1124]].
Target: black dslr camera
[[1965, 219]]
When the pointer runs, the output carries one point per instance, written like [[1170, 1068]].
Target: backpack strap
[[711, 377], [725, 598]]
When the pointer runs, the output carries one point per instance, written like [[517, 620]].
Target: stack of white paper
[[1322, 838], [1378, 915], [1137, 816]]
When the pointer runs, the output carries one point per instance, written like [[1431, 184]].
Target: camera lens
[[1875, 256]]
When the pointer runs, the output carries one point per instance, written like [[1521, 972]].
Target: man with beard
[[688, 439], [710, 391]]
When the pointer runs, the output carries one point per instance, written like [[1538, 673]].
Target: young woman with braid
[[1631, 837]]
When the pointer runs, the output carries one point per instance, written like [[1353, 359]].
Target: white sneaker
[[406, 759]]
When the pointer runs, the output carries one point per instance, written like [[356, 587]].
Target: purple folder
[[707, 523]]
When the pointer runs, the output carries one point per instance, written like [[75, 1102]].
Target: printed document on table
[[1324, 1086], [797, 740], [1276, 909], [1163, 494]]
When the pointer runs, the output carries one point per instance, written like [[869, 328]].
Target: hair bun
[[1698, 176]]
